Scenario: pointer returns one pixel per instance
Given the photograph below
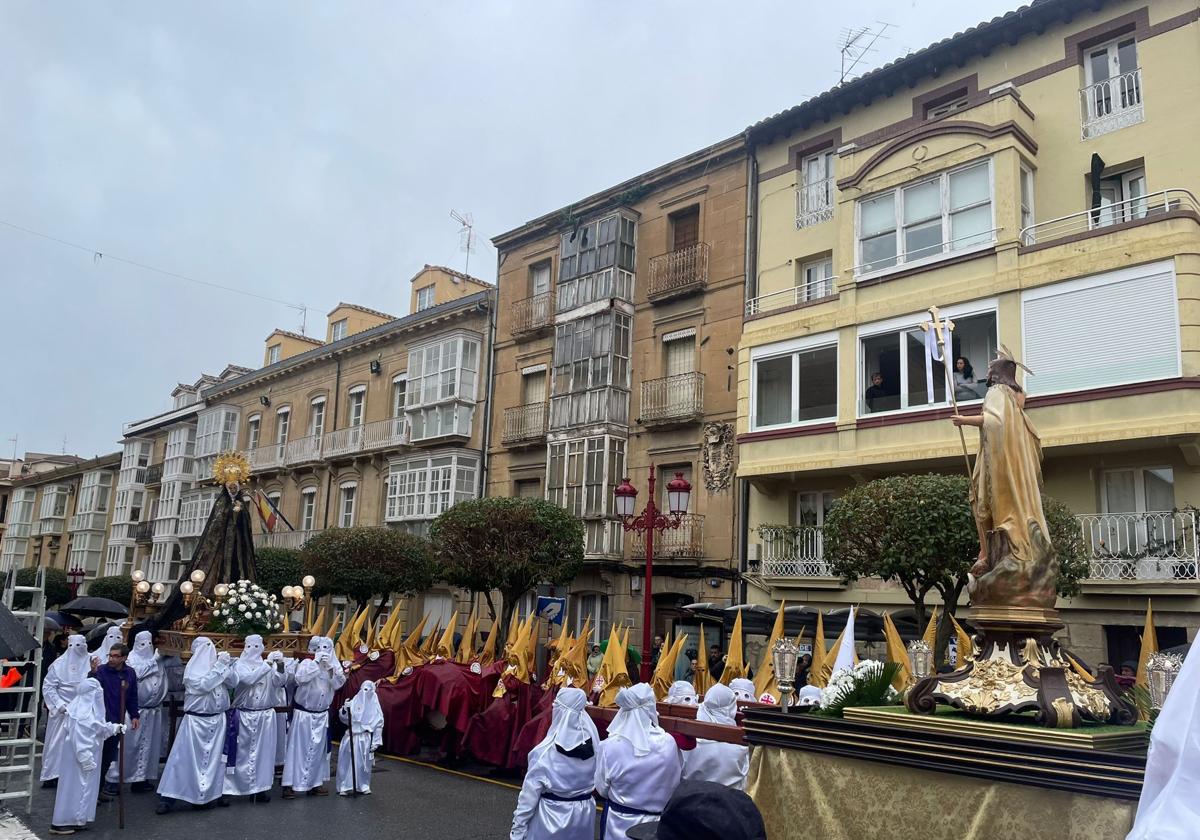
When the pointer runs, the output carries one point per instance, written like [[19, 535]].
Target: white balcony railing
[[1112, 104], [814, 203], [49, 525], [1130, 210], [343, 442], [673, 399], [1157, 545], [303, 450], [283, 539], [793, 553], [267, 457], [88, 522], [385, 434], [795, 296]]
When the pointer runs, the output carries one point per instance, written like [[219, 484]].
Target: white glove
[[223, 658], [88, 766], [275, 656], [119, 729], [61, 709]]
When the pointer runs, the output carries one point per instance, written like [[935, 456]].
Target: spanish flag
[[270, 515]]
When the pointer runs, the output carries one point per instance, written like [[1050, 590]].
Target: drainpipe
[[751, 267], [485, 460], [337, 398]]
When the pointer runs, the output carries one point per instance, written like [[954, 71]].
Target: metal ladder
[[18, 749]]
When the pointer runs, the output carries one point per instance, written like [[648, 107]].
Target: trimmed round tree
[[117, 588], [508, 546], [363, 564], [58, 591], [918, 532]]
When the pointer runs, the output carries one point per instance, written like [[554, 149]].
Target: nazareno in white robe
[[143, 746], [196, 764], [306, 765], [638, 765], [556, 796], [63, 678], [364, 715], [283, 699], [258, 682], [85, 730], [717, 761], [1169, 806]]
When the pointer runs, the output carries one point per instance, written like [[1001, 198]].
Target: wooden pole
[[940, 328], [121, 762]]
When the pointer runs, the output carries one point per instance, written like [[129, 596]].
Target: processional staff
[[940, 329]]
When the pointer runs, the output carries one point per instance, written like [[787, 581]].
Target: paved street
[[411, 800]]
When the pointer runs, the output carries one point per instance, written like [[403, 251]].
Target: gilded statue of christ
[[1016, 565]]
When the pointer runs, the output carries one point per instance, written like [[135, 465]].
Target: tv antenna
[[857, 42], [466, 236]]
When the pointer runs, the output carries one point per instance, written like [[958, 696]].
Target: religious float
[[218, 596]]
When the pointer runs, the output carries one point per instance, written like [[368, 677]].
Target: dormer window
[[337, 331], [273, 353], [424, 298]]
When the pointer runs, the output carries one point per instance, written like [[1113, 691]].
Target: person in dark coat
[[111, 675]]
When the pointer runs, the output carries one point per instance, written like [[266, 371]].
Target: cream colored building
[[381, 424], [617, 327], [1034, 178], [58, 514]]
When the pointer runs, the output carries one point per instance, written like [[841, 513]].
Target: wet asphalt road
[[408, 800]]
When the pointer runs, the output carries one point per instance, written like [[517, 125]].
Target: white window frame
[[316, 416], [399, 395], [283, 425], [815, 196], [338, 329], [792, 349], [948, 251], [812, 286], [539, 277], [423, 487], [1127, 207], [253, 431], [274, 352], [1112, 48], [908, 323], [1026, 193], [1139, 486], [308, 508], [425, 297], [356, 406], [347, 503]]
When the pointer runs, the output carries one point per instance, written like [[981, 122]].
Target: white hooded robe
[[143, 746], [62, 682], [197, 761], [717, 761], [638, 766], [258, 682], [84, 733], [364, 715], [556, 796], [306, 765]]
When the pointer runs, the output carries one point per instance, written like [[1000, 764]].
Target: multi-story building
[[1032, 177], [58, 515], [617, 325], [15, 468], [380, 424], [161, 469]]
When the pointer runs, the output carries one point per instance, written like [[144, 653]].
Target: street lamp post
[[75, 576], [679, 491]]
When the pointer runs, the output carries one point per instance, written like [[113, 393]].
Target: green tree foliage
[[277, 568], [117, 588], [507, 545], [58, 590], [367, 563], [918, 532]]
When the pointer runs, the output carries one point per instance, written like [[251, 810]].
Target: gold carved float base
[[179, 642], [1019, 667]]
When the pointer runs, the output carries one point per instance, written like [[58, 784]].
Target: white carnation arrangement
[[246, 609], [846, 680]]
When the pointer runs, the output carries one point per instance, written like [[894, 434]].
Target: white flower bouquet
[[869, 683], [245, 610]]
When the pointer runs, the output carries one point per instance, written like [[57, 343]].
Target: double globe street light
[[679, 493]]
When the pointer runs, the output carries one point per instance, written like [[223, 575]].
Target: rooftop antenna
[[466, 236], [64, 449], [13, 441], [857, 42], [303, 319]]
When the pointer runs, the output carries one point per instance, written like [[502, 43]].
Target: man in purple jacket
[[113, 676]]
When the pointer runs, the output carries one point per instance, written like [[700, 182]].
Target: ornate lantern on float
[[1161, 671], [785, 656], [920, 655]]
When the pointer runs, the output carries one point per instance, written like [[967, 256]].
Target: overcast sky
[[311, 152]]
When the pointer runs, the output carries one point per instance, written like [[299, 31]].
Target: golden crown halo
[[230, 467]]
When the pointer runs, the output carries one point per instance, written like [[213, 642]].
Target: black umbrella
[[99, 607], [63, 619], [15, 639], [97, 632]]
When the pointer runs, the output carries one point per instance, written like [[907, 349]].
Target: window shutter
[[681, 356], [686, 227], [1102, 332]]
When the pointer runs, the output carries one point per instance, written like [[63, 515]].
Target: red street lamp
[[75, 576], [679, 492]]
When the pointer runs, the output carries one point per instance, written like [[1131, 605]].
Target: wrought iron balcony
[[683, 543], [1152, 546], [524, 425], [679, 273], [154, 474], [533, 314], [793, 553], [817, 290], [1112, 104], [673, 399], [144, 532], [814, 203], [267, 457]]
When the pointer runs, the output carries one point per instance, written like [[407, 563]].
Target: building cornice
[[100, 462]]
